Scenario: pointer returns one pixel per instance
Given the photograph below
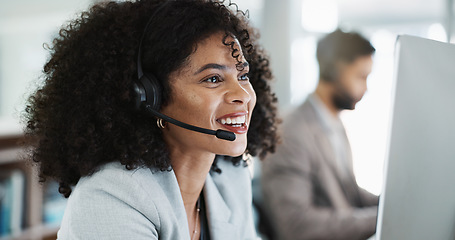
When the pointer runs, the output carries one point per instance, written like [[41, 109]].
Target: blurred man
[[309, 186]]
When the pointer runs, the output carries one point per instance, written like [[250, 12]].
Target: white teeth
[[241, 119], [233, 121]]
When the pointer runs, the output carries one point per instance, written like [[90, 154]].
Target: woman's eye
[[244, 77], [213, 79]]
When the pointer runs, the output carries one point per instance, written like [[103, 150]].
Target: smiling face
[[210, 92]]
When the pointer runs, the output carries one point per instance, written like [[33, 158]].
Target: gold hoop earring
[[160, 123], [246, 157]]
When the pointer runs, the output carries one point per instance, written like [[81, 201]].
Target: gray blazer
[[302, 188], [115, 203]]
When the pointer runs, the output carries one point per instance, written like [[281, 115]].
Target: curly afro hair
[[83, 116]]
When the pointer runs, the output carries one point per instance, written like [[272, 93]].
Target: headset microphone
[[221, 134]]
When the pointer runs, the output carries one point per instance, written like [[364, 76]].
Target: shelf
[[11, 159], [10, 155], [40, 232], [10, 141]]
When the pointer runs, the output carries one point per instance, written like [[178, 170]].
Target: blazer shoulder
[[115, 199], [107, 203], [117, 181]]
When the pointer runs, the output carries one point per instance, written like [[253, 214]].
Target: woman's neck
[[191, 172]]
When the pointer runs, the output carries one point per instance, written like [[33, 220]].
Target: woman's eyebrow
[[210, 65], [217, 66]]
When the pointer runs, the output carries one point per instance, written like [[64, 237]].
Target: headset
[[147, 90]]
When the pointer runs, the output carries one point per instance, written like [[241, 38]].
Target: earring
[[246, 157], [248, 161], [160, 123]]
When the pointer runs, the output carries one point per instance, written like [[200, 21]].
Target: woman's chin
[[234, 148]]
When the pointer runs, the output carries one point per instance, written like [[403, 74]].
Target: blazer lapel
[[218, 213], [327, 157], [169, 182], [331, 175]]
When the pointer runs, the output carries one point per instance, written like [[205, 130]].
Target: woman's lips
[[235, 122]]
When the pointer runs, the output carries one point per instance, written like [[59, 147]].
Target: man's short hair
[[340, 46]]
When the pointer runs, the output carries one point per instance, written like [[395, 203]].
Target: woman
[[130, 175]]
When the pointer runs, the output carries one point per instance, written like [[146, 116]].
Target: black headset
[[147, 88]]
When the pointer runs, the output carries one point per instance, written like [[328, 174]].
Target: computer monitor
[[418, 198]]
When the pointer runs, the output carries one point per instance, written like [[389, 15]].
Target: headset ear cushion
[[139, 94], [148, 92]]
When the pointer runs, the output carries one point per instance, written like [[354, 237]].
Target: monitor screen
[[418, 198]]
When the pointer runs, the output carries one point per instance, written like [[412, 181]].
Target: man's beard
[[342, 99]]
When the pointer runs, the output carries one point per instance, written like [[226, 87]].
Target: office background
[[289, 32]]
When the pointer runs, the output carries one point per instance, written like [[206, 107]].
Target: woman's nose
[[237, 92]]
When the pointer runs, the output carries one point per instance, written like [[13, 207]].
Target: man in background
[[309, 187]]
